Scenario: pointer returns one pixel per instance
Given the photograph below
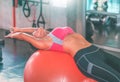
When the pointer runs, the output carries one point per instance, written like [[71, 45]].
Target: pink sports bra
[[57, 35]]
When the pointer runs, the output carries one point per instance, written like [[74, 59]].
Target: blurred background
[[97, 20]]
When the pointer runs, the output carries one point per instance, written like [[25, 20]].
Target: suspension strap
[[41, 19], [26, 9]]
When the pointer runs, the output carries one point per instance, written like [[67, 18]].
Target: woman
[[89, 58], [37, 32]]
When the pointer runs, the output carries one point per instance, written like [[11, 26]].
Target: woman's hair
[[49, 29]]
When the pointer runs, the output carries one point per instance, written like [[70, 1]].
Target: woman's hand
[[40, 33], [16, 35], [14, 29]]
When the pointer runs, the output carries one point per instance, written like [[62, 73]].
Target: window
[[59, 3]]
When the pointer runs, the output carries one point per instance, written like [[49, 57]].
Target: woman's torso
[[74, 42], [57, 36]]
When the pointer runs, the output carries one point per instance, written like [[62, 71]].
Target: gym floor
[[15, 53], [111, 40], [108, 41]]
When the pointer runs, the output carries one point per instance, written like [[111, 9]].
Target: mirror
[[111, 6], [103, 22]]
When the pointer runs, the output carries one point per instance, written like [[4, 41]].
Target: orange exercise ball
[[52, 66]]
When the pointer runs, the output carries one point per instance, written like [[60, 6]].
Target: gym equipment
[[41, 19], [27, 13], [1, 45], [52, 66], [95, 6], [26, 9], [105, 6], [89, 30]]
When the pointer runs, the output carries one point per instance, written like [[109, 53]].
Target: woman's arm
[[37, 32], [27, 29], [40, 33], [38, 43]]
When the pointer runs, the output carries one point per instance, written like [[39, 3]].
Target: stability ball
[[52, 66]]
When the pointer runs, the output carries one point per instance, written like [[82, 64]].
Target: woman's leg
[[93, 63]]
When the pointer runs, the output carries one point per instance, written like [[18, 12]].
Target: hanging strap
[[34, 16], [34, 24], [26, 9], [41, 19]]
